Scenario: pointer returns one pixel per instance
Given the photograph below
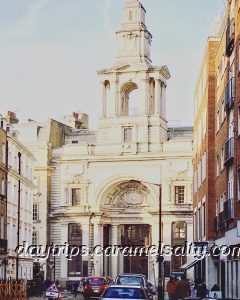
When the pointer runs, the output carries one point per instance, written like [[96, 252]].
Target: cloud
[[24, 28]]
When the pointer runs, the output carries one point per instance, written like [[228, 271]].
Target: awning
[[189, 265]]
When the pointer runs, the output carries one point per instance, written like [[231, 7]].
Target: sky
[[51, 49]]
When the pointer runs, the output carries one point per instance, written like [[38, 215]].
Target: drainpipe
[[18, 213]]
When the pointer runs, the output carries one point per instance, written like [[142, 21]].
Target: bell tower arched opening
[[129, 99]]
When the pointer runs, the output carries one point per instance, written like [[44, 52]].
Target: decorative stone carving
[[128, 194]]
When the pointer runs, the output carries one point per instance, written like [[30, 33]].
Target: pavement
[[65, 295]]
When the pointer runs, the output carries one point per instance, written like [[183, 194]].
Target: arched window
[[75, 240], [151, 96], [129, 99]]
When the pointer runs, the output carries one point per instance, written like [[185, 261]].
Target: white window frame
[[218, 121], [81, 196], [127, 138], [35, 237], [35, 212]]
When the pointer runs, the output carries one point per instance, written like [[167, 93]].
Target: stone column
[[114, 258], [157, 97], [163, 101], [98, 233], [103, 83], [61, 261]]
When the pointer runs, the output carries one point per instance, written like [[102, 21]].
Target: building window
[[75, 239], [195, 226], [76, 197], [130, 15], [179, 194], [127, 135], [199, 177], [217, 207], [34, 238], [179, 236], [2, 229], [199, 223], [221, 202], [179, 230], [218, 165], [204, 219], [222, 157], [35, 212], [223, 112], [218, 121], [204, 166]]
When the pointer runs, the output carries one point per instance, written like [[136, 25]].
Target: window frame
[[75, 241], [179, 194], [35, 212], [75, 201], [127, 135]]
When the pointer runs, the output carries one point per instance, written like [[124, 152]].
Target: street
[[65, 295]]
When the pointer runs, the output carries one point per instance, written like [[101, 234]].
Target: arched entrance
[[127, 223]]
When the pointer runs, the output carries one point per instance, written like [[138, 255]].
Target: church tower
[[133, 118]]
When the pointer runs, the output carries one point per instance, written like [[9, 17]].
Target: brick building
[[217, 177], [3, 197]]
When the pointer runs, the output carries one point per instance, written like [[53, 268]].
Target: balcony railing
[[229, 151], [229, 94], [230, 34], [229, 209]]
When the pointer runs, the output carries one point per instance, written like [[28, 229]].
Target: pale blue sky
[[51, 50]]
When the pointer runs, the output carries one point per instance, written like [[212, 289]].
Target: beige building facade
[[105, 184]]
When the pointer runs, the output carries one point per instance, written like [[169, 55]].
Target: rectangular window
[[217, 207], [204, 166], [35, 212], [76, 197], [222, 158], [223, 112], [199, 174], [204, 219], [222, 200], [218, 121], [195, 226], [130, 15], [34, 238], [2, 229], [218, 165], [75, 239], [127, 135], [199, 223], [179, 194]]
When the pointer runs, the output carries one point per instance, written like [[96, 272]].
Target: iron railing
[[229, 94], [229, 151]]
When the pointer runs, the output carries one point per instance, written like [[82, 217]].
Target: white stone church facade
[[103, 188]]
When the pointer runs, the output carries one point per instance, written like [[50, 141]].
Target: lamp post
[[18, 213], [160, 257]]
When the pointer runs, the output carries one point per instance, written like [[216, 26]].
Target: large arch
[[128, 103], [117, 193]]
